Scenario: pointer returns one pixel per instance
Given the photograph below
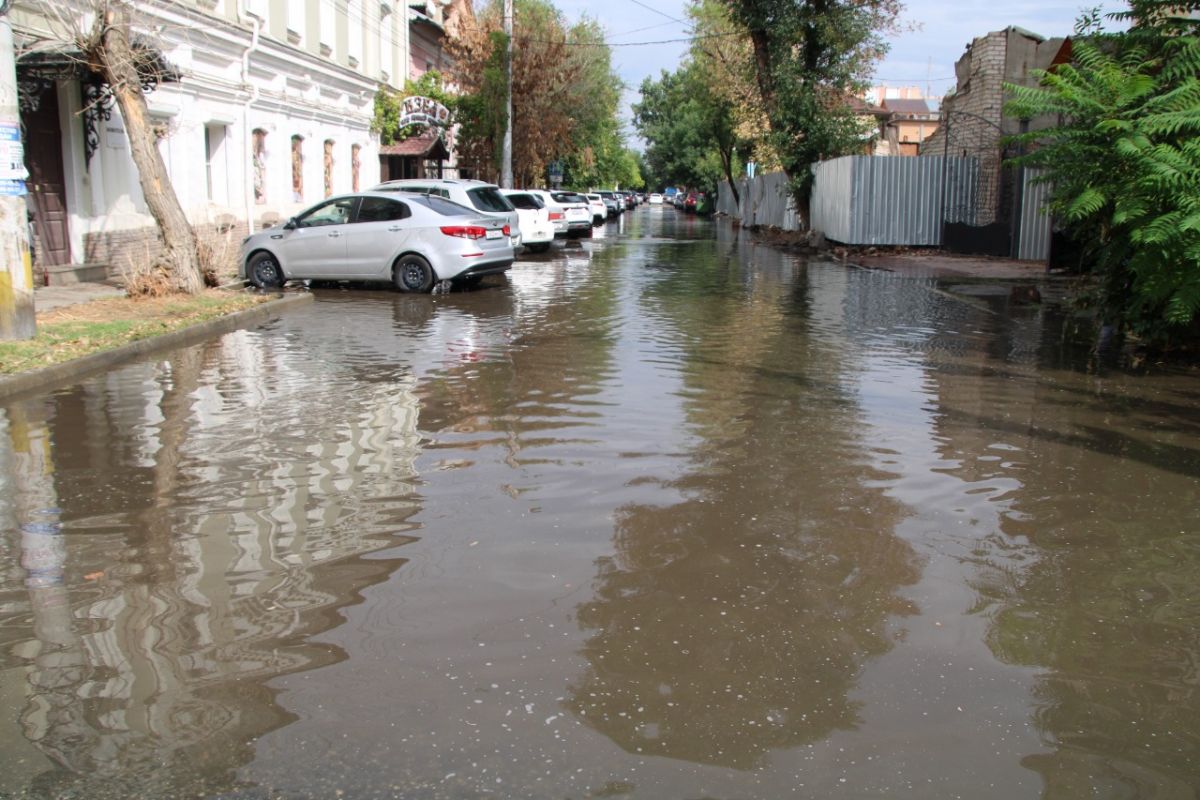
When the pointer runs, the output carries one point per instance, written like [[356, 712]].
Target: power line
[[660, 13]]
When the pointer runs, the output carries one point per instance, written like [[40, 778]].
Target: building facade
[[261, 107]]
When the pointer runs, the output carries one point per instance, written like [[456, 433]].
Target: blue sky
[[921, 57]]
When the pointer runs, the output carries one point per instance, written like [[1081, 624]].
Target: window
[[489, 199], [258, 154], [334, 212], [526, 202], [327, 29], [446, 208], [298, 169], [355, 166], [297, 21], [382, 209], [214, 162], [328, 167]]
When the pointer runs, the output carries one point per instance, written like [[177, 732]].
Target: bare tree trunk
[[116, 61]]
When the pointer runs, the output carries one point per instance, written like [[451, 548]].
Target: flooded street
[[666, 515]]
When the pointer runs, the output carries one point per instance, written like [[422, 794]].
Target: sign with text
[[12, 153], [423, 111]]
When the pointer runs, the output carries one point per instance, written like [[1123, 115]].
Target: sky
[[924, 57]]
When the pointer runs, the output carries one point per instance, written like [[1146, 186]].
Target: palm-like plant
[[1125, 163]]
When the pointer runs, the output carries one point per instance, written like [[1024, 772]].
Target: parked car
[[484, 197], [614, 203], [554, 210], [656, 199], [578, 211], [689, 202], [598, 206], [412, 240], [536, 231]]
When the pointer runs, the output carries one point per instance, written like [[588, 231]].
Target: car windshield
[[442, 206], [488, 198], [526, 202]]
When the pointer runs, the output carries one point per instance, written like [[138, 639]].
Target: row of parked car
[[417, 233], [698, 202]]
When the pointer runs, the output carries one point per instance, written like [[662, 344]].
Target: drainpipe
[[247, 134]]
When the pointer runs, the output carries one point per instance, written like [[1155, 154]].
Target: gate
[[982, 219]]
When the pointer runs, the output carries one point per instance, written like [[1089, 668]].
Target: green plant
[[1125, 163]]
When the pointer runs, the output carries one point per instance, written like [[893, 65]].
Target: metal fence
[[878, 200], [865, 200]]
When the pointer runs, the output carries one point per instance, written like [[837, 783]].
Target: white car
[[656, 199], [578, 212], [412, 240], [599, 209], [554, 209], [483, 197], [536, 231]]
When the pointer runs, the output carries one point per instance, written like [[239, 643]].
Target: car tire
[[263, 271], [413, 274]]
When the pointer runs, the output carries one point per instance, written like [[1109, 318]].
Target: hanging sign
[[423, 111]]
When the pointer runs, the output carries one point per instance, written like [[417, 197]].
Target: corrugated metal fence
[[879, 200]]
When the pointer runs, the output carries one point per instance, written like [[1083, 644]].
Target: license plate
[[494, 234]]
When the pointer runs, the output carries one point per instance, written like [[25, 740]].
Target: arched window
[[258, 154], [298, 168], [328, 167], [355, 166]]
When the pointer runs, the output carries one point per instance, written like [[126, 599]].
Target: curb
[[76, 369]]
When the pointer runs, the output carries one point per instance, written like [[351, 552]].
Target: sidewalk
[[942, 265], [48, 298]]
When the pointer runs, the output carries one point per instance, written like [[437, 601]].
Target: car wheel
[[413, 274], [263, 271]]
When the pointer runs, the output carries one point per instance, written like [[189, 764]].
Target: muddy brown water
[[666, 515]]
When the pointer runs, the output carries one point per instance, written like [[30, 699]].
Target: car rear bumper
[[490, 268]]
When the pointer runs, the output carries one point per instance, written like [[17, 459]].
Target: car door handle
[[395, 228], [334, 234]]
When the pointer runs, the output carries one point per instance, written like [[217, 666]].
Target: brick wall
[[118, 251]]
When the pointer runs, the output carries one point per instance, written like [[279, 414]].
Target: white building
[[266, 107]]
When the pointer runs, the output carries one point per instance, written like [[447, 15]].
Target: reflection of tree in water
[[737, 621], [718, 638], [1112, 622]]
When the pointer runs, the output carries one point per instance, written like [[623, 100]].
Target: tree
[[565, 96], [1125, 165], [690, 129], [808, 58], [109, 52]]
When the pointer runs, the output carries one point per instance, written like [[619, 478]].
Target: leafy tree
[[809, 57], [565, 96], [1125, 165]]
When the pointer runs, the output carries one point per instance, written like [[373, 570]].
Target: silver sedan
[[414, 241]]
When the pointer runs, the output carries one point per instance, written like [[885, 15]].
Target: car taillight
[[467, 231], [507, 232], [556, 215]]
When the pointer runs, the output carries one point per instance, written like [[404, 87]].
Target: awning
[[427, 144]]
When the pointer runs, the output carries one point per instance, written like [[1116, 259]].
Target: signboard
[[12, 153], [423, 111], [10, 188], [750, 169]]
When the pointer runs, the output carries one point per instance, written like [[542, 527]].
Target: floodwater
[[666, 515]]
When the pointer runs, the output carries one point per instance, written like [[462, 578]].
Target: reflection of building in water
[[736, 621], [202, 545]]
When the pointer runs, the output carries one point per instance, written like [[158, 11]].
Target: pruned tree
[[109, 51]]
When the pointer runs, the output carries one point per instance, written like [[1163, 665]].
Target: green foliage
[[689, 129], [810, 58], [1125, 164], [388, 104]]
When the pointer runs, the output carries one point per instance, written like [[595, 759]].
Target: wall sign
[[423, 111]]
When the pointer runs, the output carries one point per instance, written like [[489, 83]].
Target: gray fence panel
[[830, 204], [1034, 244]]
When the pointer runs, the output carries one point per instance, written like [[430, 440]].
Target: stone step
[[67, 274]]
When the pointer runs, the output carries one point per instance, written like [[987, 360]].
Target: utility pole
[[16, 271], [506, 173]]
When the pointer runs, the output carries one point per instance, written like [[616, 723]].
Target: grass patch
[[75, 331]]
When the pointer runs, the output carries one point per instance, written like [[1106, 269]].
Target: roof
[[918, 106], [426, 144]]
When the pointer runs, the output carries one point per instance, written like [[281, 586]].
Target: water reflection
[[178, 552], [735, 622]]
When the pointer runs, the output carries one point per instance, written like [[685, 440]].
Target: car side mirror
[[291, 224]]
